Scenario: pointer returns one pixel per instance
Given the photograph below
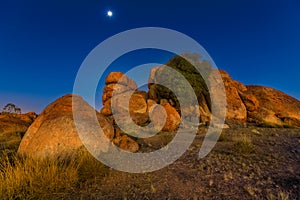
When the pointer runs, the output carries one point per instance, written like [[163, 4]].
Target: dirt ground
[[263, 165]]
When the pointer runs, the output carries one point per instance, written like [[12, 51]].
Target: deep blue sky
[[43, 43]]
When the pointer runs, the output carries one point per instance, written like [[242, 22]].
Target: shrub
[[89, 167], [223, 137], [243, 144]]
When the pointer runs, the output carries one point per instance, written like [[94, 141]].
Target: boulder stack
[[116, 83], [255, 104], [123, 101]]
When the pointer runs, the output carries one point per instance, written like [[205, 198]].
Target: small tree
[[18, 110], [11, 108]]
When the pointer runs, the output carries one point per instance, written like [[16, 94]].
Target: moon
[[109, 13]]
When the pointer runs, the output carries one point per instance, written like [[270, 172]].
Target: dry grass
[[243, 144], [11, 135], [45, 178], [89, 167], [223, 137], [33, 178], [10, 140], [281, 195]]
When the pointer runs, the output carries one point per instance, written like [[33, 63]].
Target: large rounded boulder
[[54, 131]]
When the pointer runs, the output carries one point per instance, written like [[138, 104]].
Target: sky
[[43, 43]]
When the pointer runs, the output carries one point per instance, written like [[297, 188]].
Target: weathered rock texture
[[261, 105], [54, 131], [236, 110], [270, 107], [168, 118], [132, 104]]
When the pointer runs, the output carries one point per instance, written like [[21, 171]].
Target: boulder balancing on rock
[[54, 132], [120, 78], [255, 104], [116, 84], [132, 104]]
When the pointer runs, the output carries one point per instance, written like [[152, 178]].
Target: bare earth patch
[[269, 171]]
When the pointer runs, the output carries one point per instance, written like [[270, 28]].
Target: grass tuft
[[26, 177], [33, 178], [243, 144]]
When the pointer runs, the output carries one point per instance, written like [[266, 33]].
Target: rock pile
[[136, 105], [256, 104], [54, 131]]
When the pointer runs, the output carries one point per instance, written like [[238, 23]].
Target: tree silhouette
[[11, 108]]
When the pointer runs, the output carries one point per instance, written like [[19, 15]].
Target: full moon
[[109, 13]]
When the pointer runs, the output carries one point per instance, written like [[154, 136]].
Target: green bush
[[185, 65]]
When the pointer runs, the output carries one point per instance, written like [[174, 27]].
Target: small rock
[[225, 126], [150, 104], [120, 78], [255, 131], [163, 102], [128, 144], [211, 182], [171, 116]]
